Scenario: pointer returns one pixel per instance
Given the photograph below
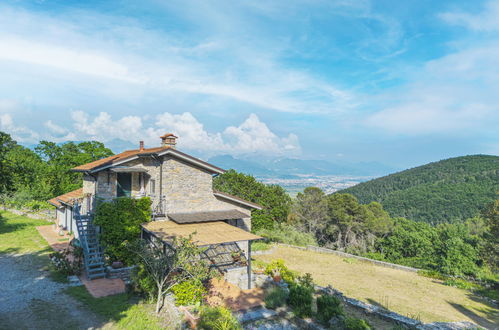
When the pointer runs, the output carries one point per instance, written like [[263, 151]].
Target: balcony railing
[[158, 207]]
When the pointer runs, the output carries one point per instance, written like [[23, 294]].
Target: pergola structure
[[220, 238]]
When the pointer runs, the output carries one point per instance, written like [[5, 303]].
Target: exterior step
[[98, 275]]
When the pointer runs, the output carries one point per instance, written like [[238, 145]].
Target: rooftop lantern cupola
[[169, 140]]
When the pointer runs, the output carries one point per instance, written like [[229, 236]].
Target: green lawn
[[403, 292], [18, 235], [120, 308]]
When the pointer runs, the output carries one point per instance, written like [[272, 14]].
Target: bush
[[189, 292], [328, 307], [61, 263], [287, 234], [461, 284], [143, 282], [260, 246], [276, 297], [277, 267], [217, 318], [353, 323], [300, 299], [432, 274], [120, 220]]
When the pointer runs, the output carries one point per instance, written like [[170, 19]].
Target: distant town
[[328, 183]]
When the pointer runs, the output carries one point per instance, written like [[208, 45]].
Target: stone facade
[[183, 187]]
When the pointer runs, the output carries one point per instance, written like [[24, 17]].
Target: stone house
[[183, 202]]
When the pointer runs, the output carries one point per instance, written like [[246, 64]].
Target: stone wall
[[348, 255], [106, 185], [238, 276], [88, 184], [123, 273]]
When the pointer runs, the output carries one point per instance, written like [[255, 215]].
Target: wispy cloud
[[485, 20]]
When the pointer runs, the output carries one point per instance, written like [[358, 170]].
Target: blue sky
[[399, 82]]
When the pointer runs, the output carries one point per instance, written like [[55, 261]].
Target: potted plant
[[236, 256], [276, 275]]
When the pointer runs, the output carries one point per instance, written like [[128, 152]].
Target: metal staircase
[[92, 252]]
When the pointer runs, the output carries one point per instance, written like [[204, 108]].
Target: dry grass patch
[[406, 293]]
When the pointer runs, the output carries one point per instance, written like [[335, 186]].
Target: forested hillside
[[449, 190]]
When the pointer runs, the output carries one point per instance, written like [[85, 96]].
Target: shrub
[[277, 267], [353, 323], [143, 282], [300, 299], [189, 292], [259, 246], [120, 220], [217, 318], [287, 234], [461, 284], [328, 306], [432, 274], [276, 297], [61, 263]]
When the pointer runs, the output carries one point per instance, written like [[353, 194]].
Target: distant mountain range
[[287, 168], [448, 190]]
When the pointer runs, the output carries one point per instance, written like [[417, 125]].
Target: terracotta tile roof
[[237, 199], [206, 233], [129, 154], [67, 198], [112, 159], [54, 202]]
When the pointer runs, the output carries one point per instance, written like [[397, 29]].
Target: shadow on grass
[[123, 309], [8, 227], [490, 320]]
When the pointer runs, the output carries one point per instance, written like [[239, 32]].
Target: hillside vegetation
[[444, 191]]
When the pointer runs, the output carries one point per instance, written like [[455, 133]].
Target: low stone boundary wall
[[404, 321], [348, 255], [124, 273], [43, 214]]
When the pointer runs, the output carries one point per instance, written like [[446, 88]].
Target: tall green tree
[[310, 212], [61, 158], [274, 199], [6, 144]]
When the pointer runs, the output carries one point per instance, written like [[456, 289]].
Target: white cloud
[[487, 20], [455, 93], [55, 128], [18, 132], [217, 66], [254, 136], [80, 61], [250, 136], [105, 128]]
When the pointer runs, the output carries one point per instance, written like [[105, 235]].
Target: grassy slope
[[18, 235], [406, 293], [455, 188]]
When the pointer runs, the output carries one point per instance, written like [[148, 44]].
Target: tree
[[274, 199], [60, 159], [6, 144], [28, 173], [310, 212], [171, 266], [490, 251]]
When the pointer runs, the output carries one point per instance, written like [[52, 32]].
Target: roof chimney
[[141, 148], [169, 140]]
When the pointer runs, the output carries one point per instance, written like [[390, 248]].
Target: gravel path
[[29, 299]]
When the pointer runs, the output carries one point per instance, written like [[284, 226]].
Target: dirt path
[[29, 299], [403, 292]]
